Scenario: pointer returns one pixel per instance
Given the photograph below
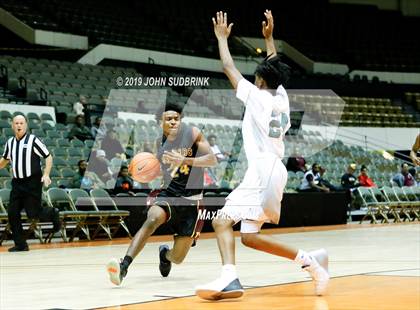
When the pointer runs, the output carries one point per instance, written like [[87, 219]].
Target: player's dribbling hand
[[221, 29], [268, 26], [46, 180], [173, 158]]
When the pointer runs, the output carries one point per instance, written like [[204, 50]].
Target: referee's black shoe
[[19, 248], [164, 264], [56, 220]]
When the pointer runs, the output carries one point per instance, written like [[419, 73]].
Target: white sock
[[303, 258], [229, 272]]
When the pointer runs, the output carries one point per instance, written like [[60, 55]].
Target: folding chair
[[396, 208], [374, 207], [416, 191], [4, 222], [70, 218], [415, 207], [406, 205], [82, 202], [104, 202], [40, 224]]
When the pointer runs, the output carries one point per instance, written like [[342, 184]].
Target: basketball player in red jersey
[[183, 153]]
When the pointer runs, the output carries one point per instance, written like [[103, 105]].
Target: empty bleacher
[[344, 33]]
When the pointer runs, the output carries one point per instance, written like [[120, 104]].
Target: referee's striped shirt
[[25, 154]]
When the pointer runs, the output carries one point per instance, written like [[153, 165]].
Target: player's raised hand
[[268, 26], [221, 28]]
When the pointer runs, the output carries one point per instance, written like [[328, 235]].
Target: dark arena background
[[90, 75]]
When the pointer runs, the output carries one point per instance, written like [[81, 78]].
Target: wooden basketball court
[[372, 267]]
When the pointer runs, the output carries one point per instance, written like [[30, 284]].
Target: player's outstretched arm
[[267, 31], [222, 32]]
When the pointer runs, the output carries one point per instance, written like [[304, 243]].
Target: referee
[[24, 151]]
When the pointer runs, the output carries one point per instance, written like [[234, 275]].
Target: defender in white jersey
[[257, 199]]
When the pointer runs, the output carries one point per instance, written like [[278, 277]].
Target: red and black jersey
[[183, 180]]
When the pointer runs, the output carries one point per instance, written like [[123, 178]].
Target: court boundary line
[[368, 274]]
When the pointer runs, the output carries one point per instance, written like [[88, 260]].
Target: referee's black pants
[[26, 194]]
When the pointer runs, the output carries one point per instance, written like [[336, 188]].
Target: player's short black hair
[[170, 106], [211, 136], [273, 71], [363, 168]]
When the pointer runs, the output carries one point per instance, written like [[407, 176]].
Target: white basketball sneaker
[[318, 269], [220, 289]]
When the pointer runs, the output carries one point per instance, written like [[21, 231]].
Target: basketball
[[144, 167]]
